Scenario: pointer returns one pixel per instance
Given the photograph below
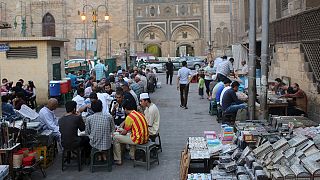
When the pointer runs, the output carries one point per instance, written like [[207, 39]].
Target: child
[[201, 85]]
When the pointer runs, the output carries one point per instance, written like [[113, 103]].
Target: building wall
[[68, 22], [28, 69], [288, 60], [121, 27]]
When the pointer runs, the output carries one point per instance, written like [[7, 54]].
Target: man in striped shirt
[[135, 131]]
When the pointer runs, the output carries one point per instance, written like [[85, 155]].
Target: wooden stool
[[147, 149]]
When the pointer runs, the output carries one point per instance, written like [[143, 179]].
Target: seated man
[[230, 101], [69, 125], [152, 115], [79, 99], [135, 131], [7, 108], [99, 127], [226, 86], [116, 109], [215, 90], [300, 101], [48, 119]]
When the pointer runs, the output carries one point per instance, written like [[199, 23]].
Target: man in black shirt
[[116, 109], [69, 125], [230, 101], [128, 96], [169, 70]]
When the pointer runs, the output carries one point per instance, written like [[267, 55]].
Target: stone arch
[[152, 34], [48, 25], [153, 48], [178, 33], [185, 49]]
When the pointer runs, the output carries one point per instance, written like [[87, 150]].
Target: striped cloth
[[137, 123]]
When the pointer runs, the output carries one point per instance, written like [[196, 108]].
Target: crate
[[47, 152]]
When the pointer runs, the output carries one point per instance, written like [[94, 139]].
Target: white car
[[159, 67], [79, 62]]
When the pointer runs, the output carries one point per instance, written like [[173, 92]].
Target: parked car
[[78, 62], [158, 66], [145, 57], [193, 62]]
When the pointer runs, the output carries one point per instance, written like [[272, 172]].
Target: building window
[[152, 36], [139, 12], [22, 52], [152, 11], [284, 4], [48, 25], [55, 51], [184, 35]]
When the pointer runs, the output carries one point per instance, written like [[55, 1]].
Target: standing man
[[100, 70], [208, 72], [152, 115], [184, 77], [48, 120], [224, 68], [244, 68], [169, 70]]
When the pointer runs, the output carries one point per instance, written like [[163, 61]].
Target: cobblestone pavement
[[175, 127]]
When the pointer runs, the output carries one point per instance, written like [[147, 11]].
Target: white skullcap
[[144, 96]]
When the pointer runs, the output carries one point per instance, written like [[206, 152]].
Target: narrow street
[[176, 126]]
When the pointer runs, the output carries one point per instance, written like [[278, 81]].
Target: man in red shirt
[[135, 131]]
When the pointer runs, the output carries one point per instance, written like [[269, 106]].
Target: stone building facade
[[163, 27], [294, 46]]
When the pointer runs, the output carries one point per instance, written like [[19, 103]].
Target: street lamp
[[23, 23], [95, 21]]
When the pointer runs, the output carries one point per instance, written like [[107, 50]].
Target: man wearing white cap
[[151, 114]]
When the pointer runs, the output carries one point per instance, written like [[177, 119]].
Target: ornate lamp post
[[95, 21], [23, 23]]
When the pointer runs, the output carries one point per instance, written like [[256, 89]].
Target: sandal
[[119, 162]]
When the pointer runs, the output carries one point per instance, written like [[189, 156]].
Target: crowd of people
[[13, 97], [115, 110], [227, 88]]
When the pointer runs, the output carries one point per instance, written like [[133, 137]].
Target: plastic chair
[[66, 157], [93, 163], [149, 158]]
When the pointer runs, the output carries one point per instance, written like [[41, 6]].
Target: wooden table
[[283, 106], [8, 156]]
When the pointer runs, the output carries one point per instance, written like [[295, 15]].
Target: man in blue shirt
[[7, 109], [48, 119], [226, 83], [100, 70], [231, 103], [73, 79]]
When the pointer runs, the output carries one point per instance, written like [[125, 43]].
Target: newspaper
[[28, 112]]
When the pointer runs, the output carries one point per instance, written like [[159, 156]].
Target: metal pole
[[23, 26], [252, 59], [231, 18], [95, 37], [264, 58], [209, 26]]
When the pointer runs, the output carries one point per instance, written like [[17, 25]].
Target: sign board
[[4, 47], [86, 43]]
